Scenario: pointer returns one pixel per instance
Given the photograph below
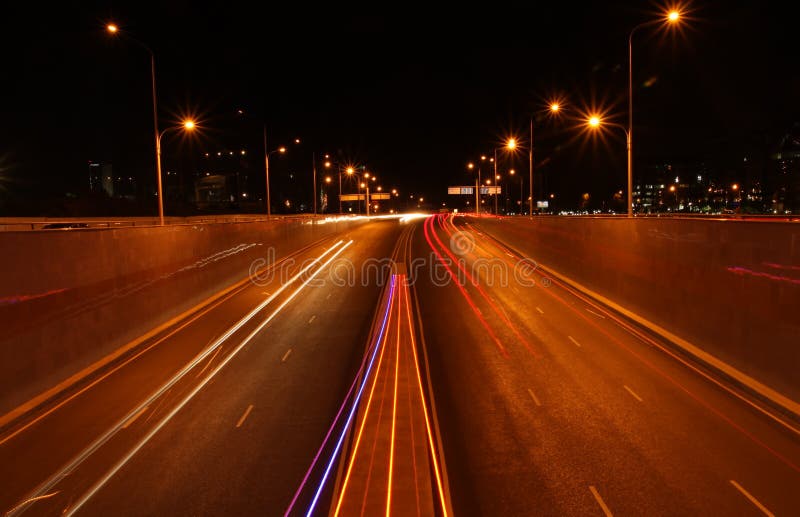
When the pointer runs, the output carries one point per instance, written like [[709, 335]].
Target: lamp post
[[187, 125], [511, 144], [671, 18], [267, 153], [596, 122], [113, 29], [555, 108]]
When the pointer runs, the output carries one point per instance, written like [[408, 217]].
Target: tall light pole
[[671, 17], [267, 153], [113, 28], [511, 144], [188, 125], [596, 122], [314, 170], [555, 108], [350, 171]]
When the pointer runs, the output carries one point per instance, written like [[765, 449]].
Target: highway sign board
[[469, 191], [352, 197]]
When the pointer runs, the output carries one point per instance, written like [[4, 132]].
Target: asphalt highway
[[536, 400]]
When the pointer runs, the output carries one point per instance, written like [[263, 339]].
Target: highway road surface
[[415, 367]]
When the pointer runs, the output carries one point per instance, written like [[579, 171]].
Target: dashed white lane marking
[[134, 417], [540, 310], [637, 397], [328, 297], [533, 396], [244, 417], [266, 292], [596, 313], [574, 341], [312, 318], [752, 499], [510, 255], [286, 355], [600, 501]]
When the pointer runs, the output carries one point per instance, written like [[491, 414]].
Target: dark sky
[[412, 91]]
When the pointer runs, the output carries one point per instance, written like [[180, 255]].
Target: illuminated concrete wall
[[68, 298], [730, 287]]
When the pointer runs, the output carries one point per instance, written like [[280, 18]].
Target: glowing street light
[[187, 125], [555, 108], [113, 29], [672, 18]]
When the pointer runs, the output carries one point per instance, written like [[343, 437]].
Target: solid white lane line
[[534, 397], [540, 310], [208, 363], [94, 446], [600, 501], [752, 499], [596, 313], [134, 417], [286, 355], [574, 341], [312, 318], [637, 397], [244, 417]]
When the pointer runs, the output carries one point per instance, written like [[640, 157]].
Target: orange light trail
[[366, 412], [464, 293], [436, 468], [483, 294], [394, 411]]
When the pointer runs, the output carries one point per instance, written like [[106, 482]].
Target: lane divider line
[[99, 442], [540, 310], [286, 355], [574, 341], [637, 397], [366, 362], [347, 423], [600, 501], [752, 499], [244, 416], [312, 318], [533, 396]]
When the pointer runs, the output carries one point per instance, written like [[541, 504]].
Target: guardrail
[[12, 224]]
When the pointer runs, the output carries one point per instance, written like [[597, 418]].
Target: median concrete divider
[[731, 289], [69, 298]]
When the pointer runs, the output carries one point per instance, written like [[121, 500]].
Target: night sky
[[413, 92]]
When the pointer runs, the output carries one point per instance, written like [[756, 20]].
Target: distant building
[[781, 187], [101, 177]]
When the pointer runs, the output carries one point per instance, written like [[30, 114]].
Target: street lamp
[[267, 153], [555, 108], [672, 17], [113, 29], [187, 125], [511, 144], [596, 122]]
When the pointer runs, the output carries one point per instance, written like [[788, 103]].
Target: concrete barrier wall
[[731, 288], [68, 298]]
